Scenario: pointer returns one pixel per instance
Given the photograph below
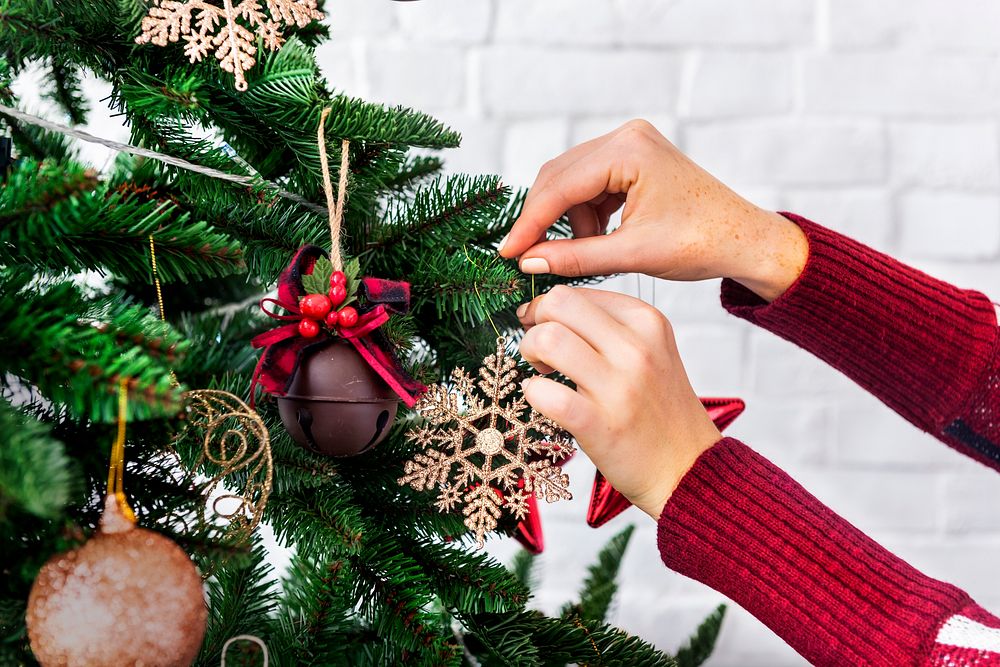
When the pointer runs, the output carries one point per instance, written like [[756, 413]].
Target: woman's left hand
[[633, 410]]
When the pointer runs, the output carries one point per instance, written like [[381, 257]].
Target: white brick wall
[[876, 118]]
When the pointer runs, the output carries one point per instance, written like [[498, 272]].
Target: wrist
[[777, 254], [653, 503]]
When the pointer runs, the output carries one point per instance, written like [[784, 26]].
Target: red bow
[[284, 347]]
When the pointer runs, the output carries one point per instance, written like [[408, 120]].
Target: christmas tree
[[378, 575]]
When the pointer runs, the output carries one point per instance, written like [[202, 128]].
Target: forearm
[[740, 525], [926, 348]]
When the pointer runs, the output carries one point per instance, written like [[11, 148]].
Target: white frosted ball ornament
[[127, 597]]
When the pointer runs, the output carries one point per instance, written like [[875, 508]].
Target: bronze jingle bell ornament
[[336, 404]]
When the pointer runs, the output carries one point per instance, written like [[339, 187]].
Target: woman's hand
[[633, 411], [678, 222]]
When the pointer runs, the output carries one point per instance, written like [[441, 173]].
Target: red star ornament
[[606, 502], [529, 530]]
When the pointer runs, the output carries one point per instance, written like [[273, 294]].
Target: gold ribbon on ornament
[[116, 469]]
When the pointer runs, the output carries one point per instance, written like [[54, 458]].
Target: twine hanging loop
[[334, 207]]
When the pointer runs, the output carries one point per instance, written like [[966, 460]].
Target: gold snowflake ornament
[[208, 28], [486, 448]]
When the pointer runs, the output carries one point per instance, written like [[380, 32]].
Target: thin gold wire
[[234, 438]]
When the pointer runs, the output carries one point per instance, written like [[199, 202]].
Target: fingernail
[[524, 383], [534, 265], [522, 309], [503, 242]]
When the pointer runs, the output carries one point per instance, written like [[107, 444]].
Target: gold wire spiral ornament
[[235, 441]]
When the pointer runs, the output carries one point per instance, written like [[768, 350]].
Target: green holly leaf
[[318, 282], [352, 269]]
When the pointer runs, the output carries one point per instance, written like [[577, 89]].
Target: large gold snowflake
[[488, 448], [217, 28]]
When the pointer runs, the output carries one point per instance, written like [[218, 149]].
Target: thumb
[[590, 256]]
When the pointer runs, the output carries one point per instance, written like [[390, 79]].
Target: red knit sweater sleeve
[[742, 526], [929, 350], [739, 524]]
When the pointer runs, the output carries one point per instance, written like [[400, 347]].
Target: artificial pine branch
[[314, 624], [51, 342], [240, 598], [330, 523], [700, 645], [394, 593], [531, 639], [82, 224], [67, 91], [454, 208], [413, 172], [469, 582], [600, 586], [523, 568], [470, 284], [36, 475]]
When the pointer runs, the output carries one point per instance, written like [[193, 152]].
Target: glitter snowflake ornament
[[486, 448], [208, 28]]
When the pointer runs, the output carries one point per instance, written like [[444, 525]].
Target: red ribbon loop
[[284, 347]]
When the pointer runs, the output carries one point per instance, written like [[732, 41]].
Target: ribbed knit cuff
[[919, 344], [741, 525]]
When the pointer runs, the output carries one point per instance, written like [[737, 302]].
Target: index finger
[[553, 194]]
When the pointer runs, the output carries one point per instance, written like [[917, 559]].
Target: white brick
[[919, 25], [339, 64], [482, 140], [529, 144], [765, 197], [692, 302], [454, 21], [950, 225], [968, 509], [350, 19], [795, 152], [741, 84], [718, 22], [592, 127], [871, 435], [553, 22], [781, 370], [902, 85], [712, 357], [944, 155], [567, 81], [862, 214], [790, 432], [427, 78]]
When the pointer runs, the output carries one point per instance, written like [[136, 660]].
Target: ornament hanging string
[[116, 470], [159, 296], [335, 209], [159, 157], [577, 623], [482, 302]]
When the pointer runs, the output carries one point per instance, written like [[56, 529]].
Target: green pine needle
[[700, 645]]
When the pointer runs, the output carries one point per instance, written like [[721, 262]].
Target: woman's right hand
[[678, 222]]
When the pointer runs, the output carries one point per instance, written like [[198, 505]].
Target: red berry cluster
[[322, 307]]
